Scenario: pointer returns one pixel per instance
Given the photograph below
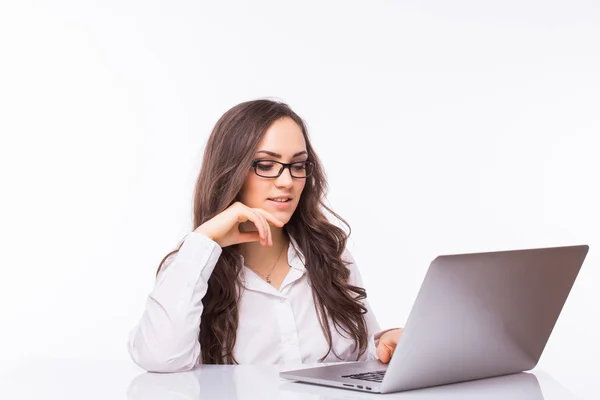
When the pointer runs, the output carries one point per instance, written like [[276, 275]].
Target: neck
[[261, 258]]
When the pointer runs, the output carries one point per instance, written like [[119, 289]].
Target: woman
[[264, 277]]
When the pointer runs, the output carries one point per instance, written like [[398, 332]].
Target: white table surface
[[87, 379]]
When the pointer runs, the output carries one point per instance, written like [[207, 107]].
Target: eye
[[299, 166], [265, 165]]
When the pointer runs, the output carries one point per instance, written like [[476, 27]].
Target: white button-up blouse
[[275, 326]]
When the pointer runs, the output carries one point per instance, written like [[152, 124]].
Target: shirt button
[[282, 300]]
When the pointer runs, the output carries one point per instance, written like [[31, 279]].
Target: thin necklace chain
[[273, 267], [276, 261]]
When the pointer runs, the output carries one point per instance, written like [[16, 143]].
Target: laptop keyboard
[[375, 376]]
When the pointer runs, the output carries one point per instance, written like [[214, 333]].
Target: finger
[[268, 228], [255, 218], [270, 217], [383, 353], [265, 224]]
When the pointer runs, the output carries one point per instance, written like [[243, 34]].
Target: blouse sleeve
[[166, 337]]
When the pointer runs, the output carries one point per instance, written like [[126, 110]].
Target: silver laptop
[[520, 386], [475, 316]]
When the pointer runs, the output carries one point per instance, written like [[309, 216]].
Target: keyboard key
[[375, 376]]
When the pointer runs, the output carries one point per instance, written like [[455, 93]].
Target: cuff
[[199, 249], [196, 258]]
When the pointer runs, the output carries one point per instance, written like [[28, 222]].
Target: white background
[[444, 127]]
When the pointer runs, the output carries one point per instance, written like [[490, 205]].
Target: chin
[[283, 216]]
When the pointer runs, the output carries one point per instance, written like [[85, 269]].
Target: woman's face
[[283, 142]]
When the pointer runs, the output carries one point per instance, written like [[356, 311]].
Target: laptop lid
[[483, 314]]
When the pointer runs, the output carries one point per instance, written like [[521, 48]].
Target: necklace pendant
[[268, 280]]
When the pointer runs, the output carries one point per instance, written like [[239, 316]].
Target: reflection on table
[[263, 382]]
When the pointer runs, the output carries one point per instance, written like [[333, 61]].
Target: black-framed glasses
[[272, 168]]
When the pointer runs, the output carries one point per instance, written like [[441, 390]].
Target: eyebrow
[[272, 154]]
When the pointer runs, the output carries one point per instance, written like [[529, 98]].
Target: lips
[[280, 205], [283, 199]]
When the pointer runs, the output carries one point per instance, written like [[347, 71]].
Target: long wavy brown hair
[[227, 159]]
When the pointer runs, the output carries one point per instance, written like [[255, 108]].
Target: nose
[[285, 179]]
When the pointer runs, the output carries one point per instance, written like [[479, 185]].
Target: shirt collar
[[296, 259]]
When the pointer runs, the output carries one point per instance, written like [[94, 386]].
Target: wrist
[[202, 230]]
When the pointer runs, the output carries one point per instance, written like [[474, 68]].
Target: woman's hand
[[224, 227], [387, 344]]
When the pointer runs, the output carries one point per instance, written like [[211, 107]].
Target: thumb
[[383, 353]]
